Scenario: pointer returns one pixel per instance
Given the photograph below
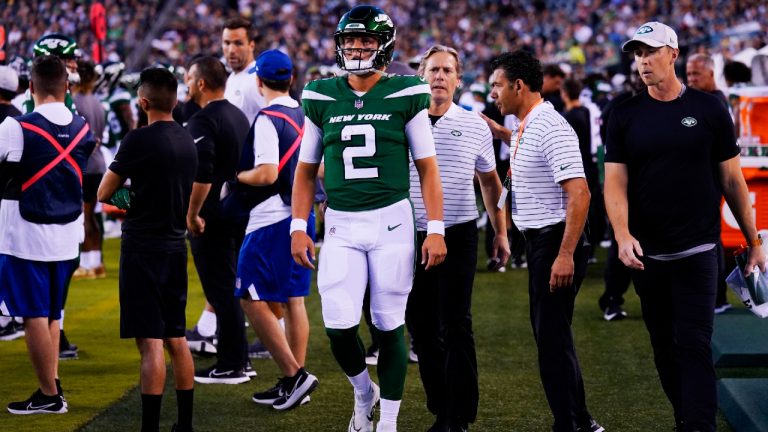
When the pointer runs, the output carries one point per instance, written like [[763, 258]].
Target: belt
[[535, 232]]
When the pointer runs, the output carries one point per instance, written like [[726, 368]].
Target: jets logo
[[385, 19], [644, 30], [54, 43], [456, 133], [689, 122]]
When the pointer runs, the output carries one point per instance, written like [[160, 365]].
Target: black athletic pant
[[678, 300], [551, 318], [440, 316], [617, 277], [215, 255]]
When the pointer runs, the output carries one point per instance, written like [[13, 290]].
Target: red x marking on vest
[[63, 153], [295, 144]]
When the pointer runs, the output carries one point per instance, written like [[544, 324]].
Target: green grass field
[[623, 392]]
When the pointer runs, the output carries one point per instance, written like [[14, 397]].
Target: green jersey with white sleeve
[[364, 138]]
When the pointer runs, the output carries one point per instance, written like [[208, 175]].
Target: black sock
[[184, 400], [150, 412]]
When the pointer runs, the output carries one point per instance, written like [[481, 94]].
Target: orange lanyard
[[520, 134]]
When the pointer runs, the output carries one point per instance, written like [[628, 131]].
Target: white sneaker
[[365, 409], [372, 358]]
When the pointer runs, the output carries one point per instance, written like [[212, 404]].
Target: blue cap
[[273, 65]]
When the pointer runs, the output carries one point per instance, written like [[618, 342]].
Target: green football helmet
[[365, 21], [56, 44]]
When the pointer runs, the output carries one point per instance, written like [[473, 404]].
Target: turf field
[[623, 392]]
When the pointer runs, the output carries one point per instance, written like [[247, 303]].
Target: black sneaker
[[67, 351], [60, 392], [591, 427], [199, 344], [11, 331], [38, 403], [248, 370], [614, 313], [213, 375], [295, 389], [269, 397]]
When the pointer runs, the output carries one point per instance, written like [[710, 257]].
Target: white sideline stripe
[[410, 91]]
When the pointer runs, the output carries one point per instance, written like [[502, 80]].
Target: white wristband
[[298, 225], [436, 227]]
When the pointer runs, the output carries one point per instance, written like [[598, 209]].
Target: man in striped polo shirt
[[550, 200], [443, 334]]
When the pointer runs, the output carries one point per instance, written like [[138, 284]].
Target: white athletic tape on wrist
[[436, 227], [298, 225]]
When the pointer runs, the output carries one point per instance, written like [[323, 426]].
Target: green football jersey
[[29, 103], [365, 148]]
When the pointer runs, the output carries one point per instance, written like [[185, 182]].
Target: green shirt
[[29, 103], [364, 142]]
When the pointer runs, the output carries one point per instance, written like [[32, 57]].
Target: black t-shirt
[[672, 151], [8, 111], [161, 161], [578, 118], [219, 131], [184, 111], [555, 99]]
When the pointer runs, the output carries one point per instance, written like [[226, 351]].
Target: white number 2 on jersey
[[350, 172]]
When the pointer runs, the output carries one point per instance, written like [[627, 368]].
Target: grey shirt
[[91, 109]]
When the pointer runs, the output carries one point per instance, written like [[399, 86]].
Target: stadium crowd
[[583, 33], [544, 107]]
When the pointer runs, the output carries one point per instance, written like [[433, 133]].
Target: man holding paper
[[671, 155]]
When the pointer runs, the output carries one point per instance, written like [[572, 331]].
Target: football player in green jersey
[[364, 125], [65, 48]]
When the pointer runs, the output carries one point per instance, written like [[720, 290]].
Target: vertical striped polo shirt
[[547, 155], [464, 144]]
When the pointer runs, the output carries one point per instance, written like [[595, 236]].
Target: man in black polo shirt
[[160, 159], [671, 155], [219, 130]]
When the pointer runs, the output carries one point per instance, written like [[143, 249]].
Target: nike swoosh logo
[[32, 407], [564, 167], [214, 373], [199, 138], [390, 228]]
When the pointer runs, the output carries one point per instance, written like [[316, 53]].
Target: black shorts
[[90, 186], [153, 294]]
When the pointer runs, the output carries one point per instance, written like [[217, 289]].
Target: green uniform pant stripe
[[348, 349], [393, 363]]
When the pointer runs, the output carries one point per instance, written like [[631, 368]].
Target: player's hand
[[195, 225], [630, 250], [303, 249], [756, 258], [498, 131], [562, 272], [500, 250], [433, 251], [122, 198]]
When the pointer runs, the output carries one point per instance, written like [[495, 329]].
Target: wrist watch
[[756, 242]]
